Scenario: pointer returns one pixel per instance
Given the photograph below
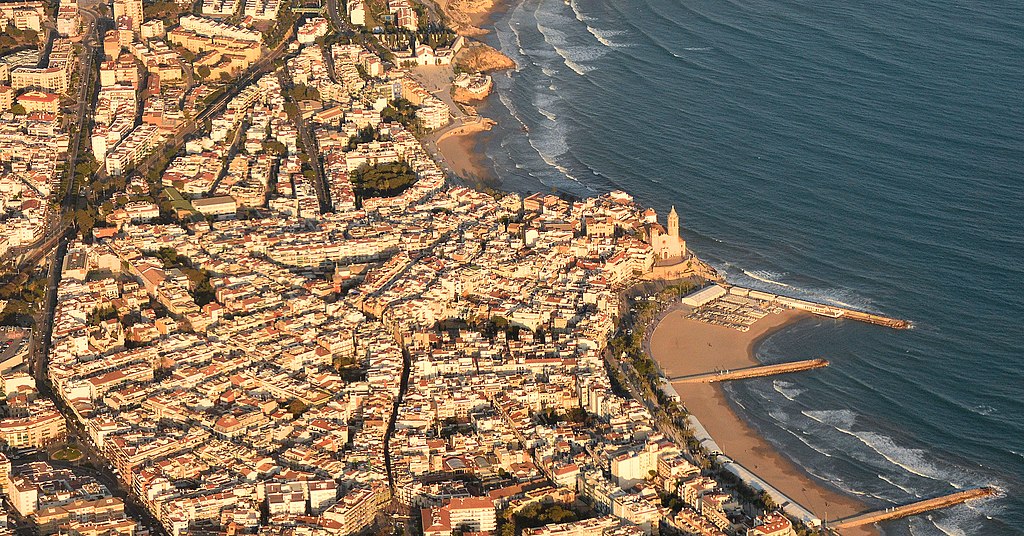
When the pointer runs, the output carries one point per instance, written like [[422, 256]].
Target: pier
[[752, 372], [911, 509]]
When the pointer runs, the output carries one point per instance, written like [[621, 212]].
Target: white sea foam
[[808, 443], [689, 49], [833, 296], [911, 460], [507, 102], [576, 11], [604, 37], [905, 489], [948, 524], [835, 481], [550, 147], [766, 276], [572, 56], [983, 410], [576, 67], [517, 15], [840, 419], [600, 38], [787, 389]]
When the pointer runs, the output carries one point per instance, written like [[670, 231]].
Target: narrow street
[[312, 150]]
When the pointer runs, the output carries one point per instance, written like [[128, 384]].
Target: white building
[[311, 30], [132, 149], [357, 12]]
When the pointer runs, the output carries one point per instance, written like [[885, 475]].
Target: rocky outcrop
[[463, 96], [478, 58], [471, 87]]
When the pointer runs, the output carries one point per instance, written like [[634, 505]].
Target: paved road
[[312, 150]]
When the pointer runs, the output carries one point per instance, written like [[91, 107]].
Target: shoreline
[[684, 346], [461, 152], [460, 149]]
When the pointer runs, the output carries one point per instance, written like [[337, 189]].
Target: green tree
[[297, 407], [766, 500], [382, 179], [400, 111], [203, 71], [86, 220], [275, 147], [302, 92], [365, 135], [291, 109]]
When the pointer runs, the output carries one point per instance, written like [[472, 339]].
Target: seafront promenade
[[748, 477]]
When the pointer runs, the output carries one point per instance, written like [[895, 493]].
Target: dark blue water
[[864, 153]]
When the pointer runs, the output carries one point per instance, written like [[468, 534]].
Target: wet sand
[[683, 347]]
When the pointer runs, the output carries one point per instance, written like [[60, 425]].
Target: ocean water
[[869, 154]]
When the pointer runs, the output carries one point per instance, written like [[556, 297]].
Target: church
[[667, 244]]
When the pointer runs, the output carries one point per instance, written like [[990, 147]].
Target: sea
[[867, 154]]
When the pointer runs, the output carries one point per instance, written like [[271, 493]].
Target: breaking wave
[[787, 389]]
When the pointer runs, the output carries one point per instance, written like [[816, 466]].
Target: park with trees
[[382, 180]]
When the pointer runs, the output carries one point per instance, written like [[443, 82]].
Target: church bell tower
[[673, 223]]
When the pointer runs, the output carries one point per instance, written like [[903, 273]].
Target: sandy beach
[[461, 150], [683, 346]]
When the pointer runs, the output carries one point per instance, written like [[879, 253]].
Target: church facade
[[667, 244]]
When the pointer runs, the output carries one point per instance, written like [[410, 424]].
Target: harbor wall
[[830, 311]]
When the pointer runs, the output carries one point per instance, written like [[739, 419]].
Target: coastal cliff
[[466, 16], [477, 57]]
